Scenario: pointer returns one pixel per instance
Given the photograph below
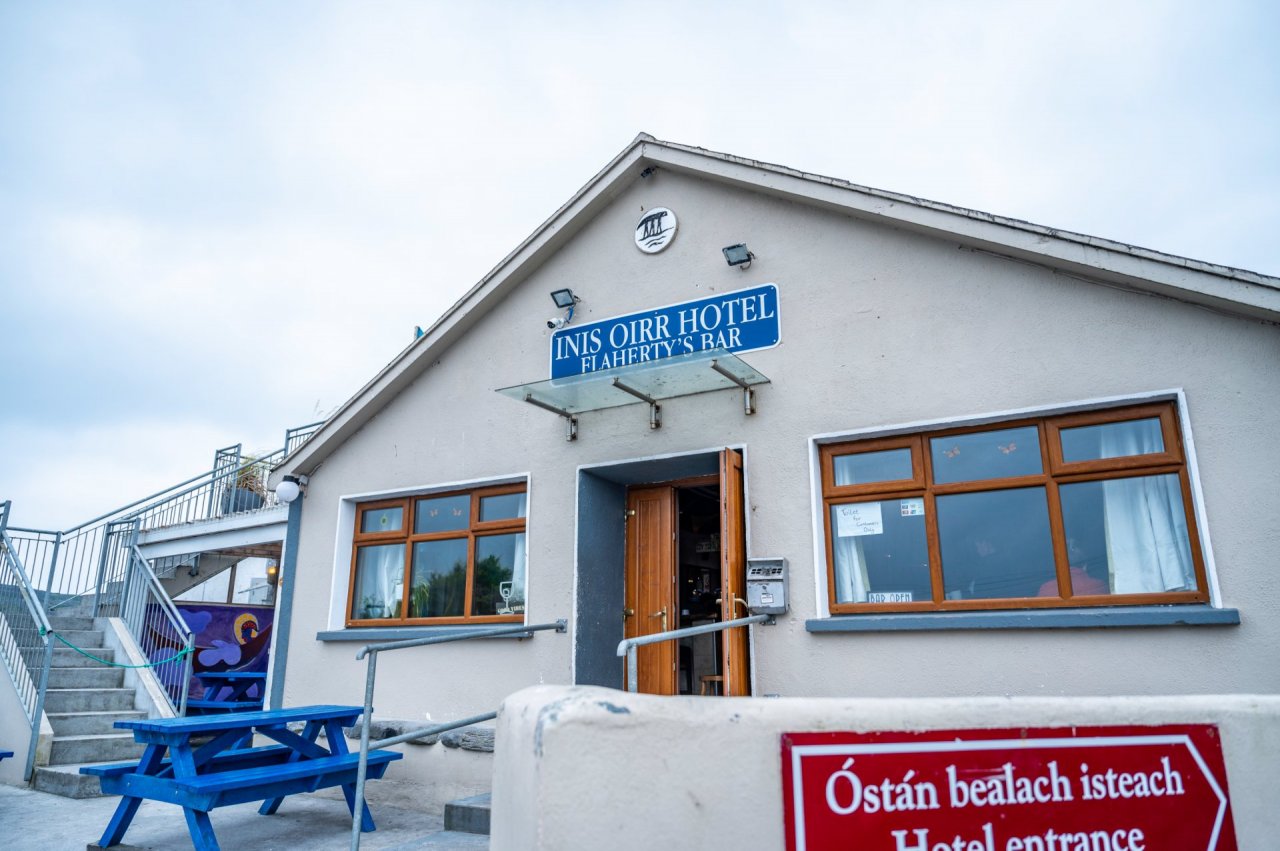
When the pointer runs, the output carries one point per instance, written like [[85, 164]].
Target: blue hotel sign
[[739, 321]]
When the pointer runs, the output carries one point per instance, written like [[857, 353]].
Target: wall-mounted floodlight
[[738, 255], [564, 299]]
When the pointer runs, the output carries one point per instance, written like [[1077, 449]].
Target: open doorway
[[698, 668], [685, 566]]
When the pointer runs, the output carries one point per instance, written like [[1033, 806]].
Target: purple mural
[[228, 638]]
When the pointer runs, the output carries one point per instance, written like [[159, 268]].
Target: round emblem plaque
[[655, 230]]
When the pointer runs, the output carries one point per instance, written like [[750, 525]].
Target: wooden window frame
[[1055, 472], [474, 530]]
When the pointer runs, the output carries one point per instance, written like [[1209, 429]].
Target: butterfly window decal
[[457, 512], [435, 512], [1008, 448], [952, 452]]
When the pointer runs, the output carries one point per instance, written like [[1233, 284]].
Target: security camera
[[556, 322]]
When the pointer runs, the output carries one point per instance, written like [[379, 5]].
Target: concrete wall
[[587, 767], [879, 327]]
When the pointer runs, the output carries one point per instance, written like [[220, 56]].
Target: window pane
[[442, 514], [502, 507], [1128, 536], [382, 520], [864, 468], [881, 552], [439, 579], [1112, 440], [996, 544], [499, 583], [379, 582], [986, 455]]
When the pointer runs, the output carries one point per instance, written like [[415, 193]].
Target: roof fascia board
[[1233, 290], [416, 358]]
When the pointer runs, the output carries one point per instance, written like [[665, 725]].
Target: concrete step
[[65, 780], [82, 637], [109, 747], [99, 676], [468, 815], [90, 723], [87, 699], [65, 657], [62, 622]]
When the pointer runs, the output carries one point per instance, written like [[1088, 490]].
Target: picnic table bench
[[4, 754], [218, 773], [236, 685]]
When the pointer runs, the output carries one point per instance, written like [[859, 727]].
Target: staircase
[[83, 701]]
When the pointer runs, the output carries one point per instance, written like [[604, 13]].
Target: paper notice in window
[[861, 519]]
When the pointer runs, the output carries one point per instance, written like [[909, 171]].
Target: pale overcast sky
[[218, 220]]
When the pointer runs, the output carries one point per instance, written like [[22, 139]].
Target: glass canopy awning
[[651, 382]]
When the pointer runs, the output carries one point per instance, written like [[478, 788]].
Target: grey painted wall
[[879, 327], [599, 591]]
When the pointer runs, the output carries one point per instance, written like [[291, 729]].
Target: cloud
[[217, 221]]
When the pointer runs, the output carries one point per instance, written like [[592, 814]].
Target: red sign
[[1074, 789]]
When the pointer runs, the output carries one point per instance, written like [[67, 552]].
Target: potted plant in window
[[247, 489]]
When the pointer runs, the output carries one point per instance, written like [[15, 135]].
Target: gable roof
[[1223, 288]]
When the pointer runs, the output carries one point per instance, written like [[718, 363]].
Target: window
[[1076, 510], [460, 556]]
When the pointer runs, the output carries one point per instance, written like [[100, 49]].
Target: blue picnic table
[[4, 754], [228, 691], [219, 773]]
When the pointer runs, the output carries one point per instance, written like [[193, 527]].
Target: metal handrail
[[176, 622], [32, 704], [371, 651], [627, 647]]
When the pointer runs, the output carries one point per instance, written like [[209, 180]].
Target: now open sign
[[1073, 789]]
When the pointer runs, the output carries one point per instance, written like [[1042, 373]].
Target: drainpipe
[[284, 603]]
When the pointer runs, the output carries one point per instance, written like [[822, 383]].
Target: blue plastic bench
[[4, 754]]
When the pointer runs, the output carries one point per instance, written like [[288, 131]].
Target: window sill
[[1100, 616], [374, 634]]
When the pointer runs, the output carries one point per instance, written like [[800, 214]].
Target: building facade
[[997, 459]]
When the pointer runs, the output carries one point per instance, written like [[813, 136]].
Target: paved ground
[[36, 821]]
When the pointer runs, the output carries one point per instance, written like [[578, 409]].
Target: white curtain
[[381, 570], [1148, 549], [518, 568], [852, 583]]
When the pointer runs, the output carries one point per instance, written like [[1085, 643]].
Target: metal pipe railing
[[371, 651], [159, 629], [24, 633], [627, 647]]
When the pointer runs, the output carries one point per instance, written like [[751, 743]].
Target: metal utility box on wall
[[767, 586]]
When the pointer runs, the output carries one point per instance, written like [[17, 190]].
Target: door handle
[[661, 614], [626, 613]]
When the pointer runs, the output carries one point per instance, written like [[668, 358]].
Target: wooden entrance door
[[735, 663], [651, 584]]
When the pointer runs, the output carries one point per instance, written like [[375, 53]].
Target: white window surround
[[1184, 421], [344, 535]]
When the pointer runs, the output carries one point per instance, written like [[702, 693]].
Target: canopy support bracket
[[655, 410], [748, 394], [573, 421]]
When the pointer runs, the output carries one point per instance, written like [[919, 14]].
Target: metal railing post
[[357, 807], [39, 711], [633, 676], [53, 568]]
